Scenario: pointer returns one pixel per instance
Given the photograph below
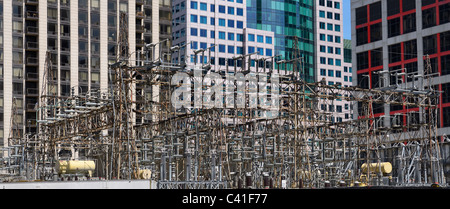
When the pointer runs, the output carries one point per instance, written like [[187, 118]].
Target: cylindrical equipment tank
[[145, 174], [75, 167], [386, 167]]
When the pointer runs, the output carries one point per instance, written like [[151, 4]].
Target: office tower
[[289, 20], [202, 24], [329, 45], [394, 35], [69, 44]]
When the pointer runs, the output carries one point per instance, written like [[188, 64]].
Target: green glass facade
[[287, 19]]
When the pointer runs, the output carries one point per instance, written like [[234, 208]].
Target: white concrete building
[[330, 66], [221, 23]]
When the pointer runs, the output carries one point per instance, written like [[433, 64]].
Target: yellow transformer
[[386, 167], [145, 174], [75, 167]]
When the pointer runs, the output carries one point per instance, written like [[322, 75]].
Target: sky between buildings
[[347, 20]]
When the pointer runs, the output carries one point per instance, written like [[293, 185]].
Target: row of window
[[329, 26], [212, 8], [221, 22], [335, 73], [231, 49], [231, 36], [331, 61], [331, 50], [330, 38], [224, 61], [337, 5], [329, 15]]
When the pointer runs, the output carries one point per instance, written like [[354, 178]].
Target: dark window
[[376, 58], [394, 27], [394, 7], [408, 5], [445, 41], [428, 2], [444, 13], [363, 81], [409, 23], [410, 49], [375, 11], [393, 78], [446, 93], [445, 65], [375, 32], [429, 17], [429, 45], [361, 36], [446, 114], [361, 15], [395, 53], [411, 68], [362, 60]]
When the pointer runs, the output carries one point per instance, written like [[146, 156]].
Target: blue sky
[[347, 20]]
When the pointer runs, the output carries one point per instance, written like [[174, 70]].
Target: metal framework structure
[[231, 146]]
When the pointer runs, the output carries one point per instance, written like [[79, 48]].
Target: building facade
[[329, 55], [397, 34], [74, 41], [289, 20], [201, 24]]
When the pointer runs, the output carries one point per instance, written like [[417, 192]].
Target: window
[[203, 6], [323, 72], [221, 9], [446, 94], [338, 74], [445, 65], [239, 24], [260, 51], [322, 25], [362, 60], [376, 57], [393, 27], [361, 36], [194, 5], [429, 17], [322, 48], [446, 114], [321, 13], [260, 39], [231, 10], [231, 49], [212, 21], [222, 48], [269, 52], [221, 35], [203, 33], [239, 12], [408, 5], [194, 18], [394, 7], [194, 32], [395, 52], [338, 62], [203, 20], [375, 32], [444, 13], [375, 11], [231, 23], [251, 49], [330, 73], [410, 49], [268, 40], [213, 8], [445, 41], [213, 34], [430, 44], [330, 61], [330, 49], [251, 37], [409, 23], [221, 22], [361, 15], [239, 37], [329, 26], [231, 36]]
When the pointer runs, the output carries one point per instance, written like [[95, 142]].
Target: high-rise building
[[70, 43], [331, 66], [397, 36], [290, 21], [201, 24]]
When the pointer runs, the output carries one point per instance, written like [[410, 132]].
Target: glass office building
[[287, 19]]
